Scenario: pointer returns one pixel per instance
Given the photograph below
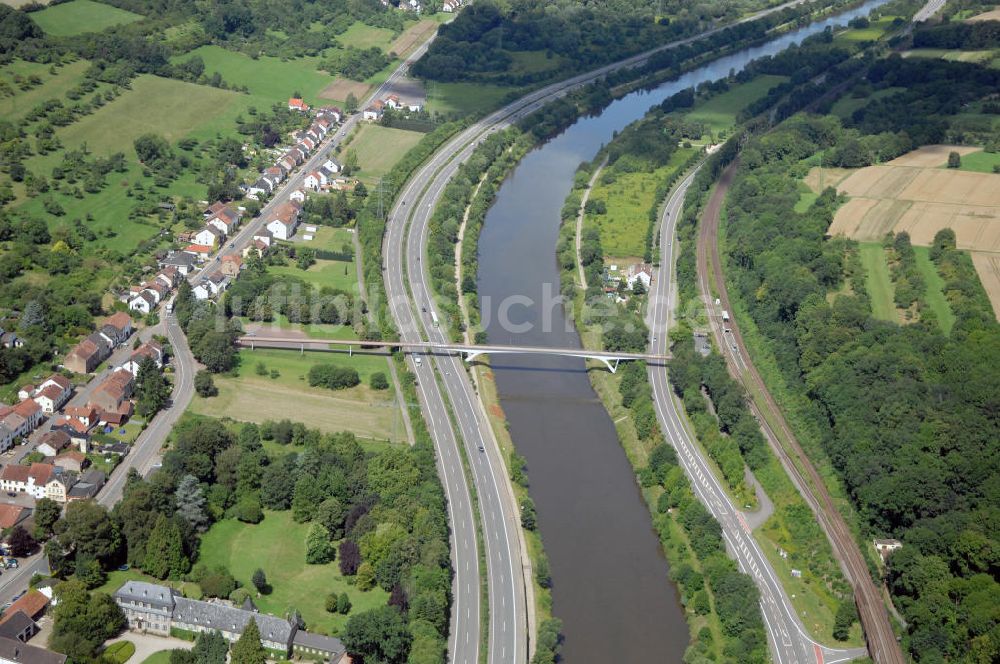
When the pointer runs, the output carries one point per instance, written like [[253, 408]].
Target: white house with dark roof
[[181, 260]]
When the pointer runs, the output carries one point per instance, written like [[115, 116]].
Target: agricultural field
[[379, 148], [992, 15], [80, 16], [416, 34], [916, 194], [628, 199], [16, 103], [988, 269], [719, 112], [269, 79], [251, 397], [957, 56], [277, 546]]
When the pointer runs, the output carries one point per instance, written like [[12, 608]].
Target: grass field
[[341, 275], [949, 54], [162, 657], [80, 16], [878, 282], [873, 32], [379, 148], [934, 297], [363, 36], [719, 112], [464, 97], [267, 78], [277, 546], [253, 398], [628, 198], [52, 87], [980, 162], [847, 104]]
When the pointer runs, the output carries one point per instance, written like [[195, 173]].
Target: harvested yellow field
[[341, 87], [930, 156], [413, 36], [819, 178], [921, 200], [988, 268], [992, 15]]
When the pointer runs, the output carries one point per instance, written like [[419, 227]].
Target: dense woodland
[[488, 42], [906, 414]]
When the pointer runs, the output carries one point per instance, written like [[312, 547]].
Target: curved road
[[788, 639]]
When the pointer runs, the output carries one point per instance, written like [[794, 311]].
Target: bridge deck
[[253, 340]]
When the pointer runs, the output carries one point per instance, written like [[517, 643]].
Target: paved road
[[405, 243], [788, 639]]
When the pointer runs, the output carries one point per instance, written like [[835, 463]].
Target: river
[[610, 580]]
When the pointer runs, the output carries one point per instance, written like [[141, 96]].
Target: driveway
[[147, 644]]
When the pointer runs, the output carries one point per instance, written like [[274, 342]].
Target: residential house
[[151, 349], [182, 261], [298, 195], [58, 486], [333, 165], [143, 302], [53, 442], [224, 218], [32, 605], [392, 101], [209, 236], [451, 6], [284, 222], [231, 265], [373, 112], [17, 625], [331, 112], [10, 340], [887, 546], [201, 252], [115, 418], [299, 153], [11, 515], [78, 432], [308, 143], [71, 461], [276, 171], [316, 180], [50, 395], [88, 354], [121, 323], [287, 162], [639, 272], [115, 390], [26, 479], [20, 420], [86, 415], [296, 104], [7, 437], [12, 651], [211, 286], [261, 187], [169, 277], [88, 485], [264, 236]]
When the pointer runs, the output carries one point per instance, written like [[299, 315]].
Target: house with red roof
[[296, 104], [26, 479]]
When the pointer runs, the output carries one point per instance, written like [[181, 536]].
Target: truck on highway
[[434, 318], [725, 316]]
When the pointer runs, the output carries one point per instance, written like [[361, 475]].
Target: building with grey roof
[[198, 616], [13, 651], [153, 608], [319, 647]]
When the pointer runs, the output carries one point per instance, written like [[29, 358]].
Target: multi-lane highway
[[404, 244], [788, 639]]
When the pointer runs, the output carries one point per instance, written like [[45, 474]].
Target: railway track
[[882, 644]]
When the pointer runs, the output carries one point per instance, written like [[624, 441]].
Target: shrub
[[333, 377], [378, 381]]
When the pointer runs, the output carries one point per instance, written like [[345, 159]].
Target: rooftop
[[14, 651]]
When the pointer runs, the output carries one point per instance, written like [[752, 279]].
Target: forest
[[906, 414]]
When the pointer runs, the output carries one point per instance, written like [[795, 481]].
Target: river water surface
[[610, 583]]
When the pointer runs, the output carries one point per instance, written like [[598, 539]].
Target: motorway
[[788, 639], [404, 244]]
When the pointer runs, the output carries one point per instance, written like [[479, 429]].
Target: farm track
[[882, 644]]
